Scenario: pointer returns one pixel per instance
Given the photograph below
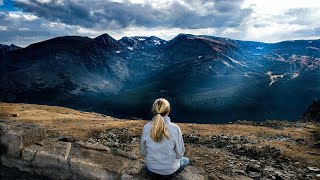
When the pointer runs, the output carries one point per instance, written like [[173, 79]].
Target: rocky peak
[[6, 48], [141, 42], [107, 41]]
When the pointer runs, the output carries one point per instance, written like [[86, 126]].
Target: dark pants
[[184, 161]]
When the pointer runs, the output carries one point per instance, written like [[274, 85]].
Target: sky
[[23, 22]]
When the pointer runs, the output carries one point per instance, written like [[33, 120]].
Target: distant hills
[[207, 79]]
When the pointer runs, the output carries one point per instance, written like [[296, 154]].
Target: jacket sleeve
[[143, 148], [179, 148]]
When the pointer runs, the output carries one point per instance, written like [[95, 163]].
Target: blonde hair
[[160, 107]]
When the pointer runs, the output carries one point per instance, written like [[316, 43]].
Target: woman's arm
[[143, 148], [179, 148]]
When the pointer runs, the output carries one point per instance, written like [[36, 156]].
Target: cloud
[[163, 32], [31, 21], [303, 16], [289, 24], [114, 15], [23, 29]]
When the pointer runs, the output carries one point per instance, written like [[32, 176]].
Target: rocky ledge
[[25, 146], [61, 143]]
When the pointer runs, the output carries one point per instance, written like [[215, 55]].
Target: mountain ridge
[[200, 74], [217, 37]]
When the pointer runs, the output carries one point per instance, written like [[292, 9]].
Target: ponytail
[[158, 129]]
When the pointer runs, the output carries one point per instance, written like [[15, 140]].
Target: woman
[[162, 143]]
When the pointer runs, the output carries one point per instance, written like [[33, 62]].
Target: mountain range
[[206, 79]]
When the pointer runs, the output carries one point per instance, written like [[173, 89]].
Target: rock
[[135, 170], [280, 176], [253, 170], [90, 164], [51, 160], [255, 152], [130, 155], [213, 176], [16, 135], [15, 115], [193, 139], [94, 146], [254, 175], [16, 163], [47, 141], [240, 172], [299, 140], [191, 173], [113, 138], [253, 167], [67, 139], [130, 177], [29, 152], [12, 144], [313, 169], [217, 176]]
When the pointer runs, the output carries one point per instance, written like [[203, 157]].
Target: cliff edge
[[62, 143]]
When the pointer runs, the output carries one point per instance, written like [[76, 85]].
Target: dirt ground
[[274, 149]]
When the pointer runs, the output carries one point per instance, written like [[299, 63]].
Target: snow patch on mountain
[[237, 62], [295, 75], [141, 39], [156, 42], [274, 78], [227, 64]]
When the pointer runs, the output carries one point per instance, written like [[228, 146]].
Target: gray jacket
[[163, 157]]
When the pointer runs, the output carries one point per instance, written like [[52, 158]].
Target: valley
[[207, 79]]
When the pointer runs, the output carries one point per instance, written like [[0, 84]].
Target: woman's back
[[162, 143], [163, 157]]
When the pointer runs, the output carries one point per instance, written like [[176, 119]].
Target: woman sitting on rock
[[162, 143]]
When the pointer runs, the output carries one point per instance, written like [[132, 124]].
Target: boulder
[[52, 160], [28, 153], [130, 177], [130, 155], [217, 176], [95, 146], [16, 135], [314, 169], [16, 163], [92, 164], [135, 170], [191, 173]]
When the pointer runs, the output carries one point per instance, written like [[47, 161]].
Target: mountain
[[5, 48], [62, 68], [206, 79], [141, 42]]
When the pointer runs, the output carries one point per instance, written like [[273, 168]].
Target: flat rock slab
[[24, 146], [191, 173], [16, 135], [16, 163], [135, 170], [91, 164], [28, 153], [52, 160]]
